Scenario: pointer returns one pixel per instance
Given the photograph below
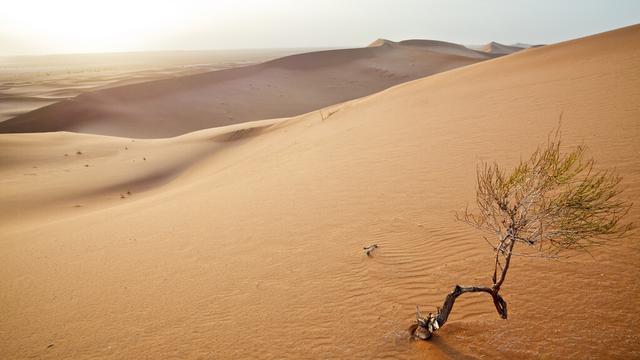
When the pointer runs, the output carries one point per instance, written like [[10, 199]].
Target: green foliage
[[554, 201]]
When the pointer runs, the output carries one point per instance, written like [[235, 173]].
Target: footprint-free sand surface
[[245, 241], [31, 82], [283, 87]]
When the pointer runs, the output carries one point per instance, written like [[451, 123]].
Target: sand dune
[[31, 82], [245, 241], [284, 87], [525, 45], [495, 48], [433, 45]]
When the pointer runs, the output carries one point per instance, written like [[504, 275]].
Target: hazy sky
[[63, 26]]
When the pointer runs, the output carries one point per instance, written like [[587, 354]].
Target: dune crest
[[283, 87], [499, 49]]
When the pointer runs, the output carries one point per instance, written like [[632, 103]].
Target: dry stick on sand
[[369, 249], [550, 203], [325, 117]]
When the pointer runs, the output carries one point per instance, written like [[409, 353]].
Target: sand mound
[[284, 87], [381, 42], [442, 47], [500, 49], [253, 249]]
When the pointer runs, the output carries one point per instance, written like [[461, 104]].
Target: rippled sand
[[246, 241]]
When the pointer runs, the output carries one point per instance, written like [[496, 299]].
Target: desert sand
[[31, 82], [283, 87], [246, 241]]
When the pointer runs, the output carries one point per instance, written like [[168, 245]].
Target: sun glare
[[90, 26]]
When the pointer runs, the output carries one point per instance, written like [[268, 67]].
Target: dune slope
[[283, 87], [246, 241]]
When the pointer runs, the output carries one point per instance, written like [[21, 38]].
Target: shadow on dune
[[278, 88]]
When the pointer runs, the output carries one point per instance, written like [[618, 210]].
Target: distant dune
[[500, 49], [31, 82], [524, 45], [284, 87], [245, 241]]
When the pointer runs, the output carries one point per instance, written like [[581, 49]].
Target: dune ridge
[[31, 82], [283, 87], [254, 248], [496, 48]]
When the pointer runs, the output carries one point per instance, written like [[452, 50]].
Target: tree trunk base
[[425, 326], [419, 333]]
